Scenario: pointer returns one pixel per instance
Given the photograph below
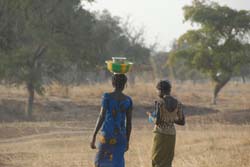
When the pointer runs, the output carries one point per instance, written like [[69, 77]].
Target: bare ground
[[61, 129]]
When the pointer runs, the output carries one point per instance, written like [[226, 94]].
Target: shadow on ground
[[12, 110], [140, 111]]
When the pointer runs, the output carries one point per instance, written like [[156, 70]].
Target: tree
[[158, 63], [47, 40], [41, 39], [112, 38], [219, 46], [107, 37], [180, 69], [244, 72]]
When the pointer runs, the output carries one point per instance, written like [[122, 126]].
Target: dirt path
[[43, 136]]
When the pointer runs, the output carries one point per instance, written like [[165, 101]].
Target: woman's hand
[[98, 125], [149, 114], [92, 143], [127, 147]]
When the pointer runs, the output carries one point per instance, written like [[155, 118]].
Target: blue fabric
[[154, 114], [113, 144], [152, 117]]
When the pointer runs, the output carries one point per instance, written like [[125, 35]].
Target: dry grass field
[[214, 136]]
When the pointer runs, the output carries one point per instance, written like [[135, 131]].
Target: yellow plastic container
[[119, 65]]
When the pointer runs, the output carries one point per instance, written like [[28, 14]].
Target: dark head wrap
[[170, 102], [164, 86], [119, 81]]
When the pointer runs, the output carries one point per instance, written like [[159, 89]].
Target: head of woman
[[164, 88], [119, 81]]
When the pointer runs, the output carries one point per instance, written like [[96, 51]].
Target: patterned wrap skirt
[[111, 151]]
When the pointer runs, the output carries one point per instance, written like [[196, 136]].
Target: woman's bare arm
[[181, 116], [99, 121], [181, 121], [128, 124], [98, 125]]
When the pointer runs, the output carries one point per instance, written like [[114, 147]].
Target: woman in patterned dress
[[115, 124], [168, 111]]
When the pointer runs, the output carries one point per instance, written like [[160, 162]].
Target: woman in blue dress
[[115, 124]]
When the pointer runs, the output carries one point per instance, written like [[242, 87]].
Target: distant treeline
[[42, 41], [58, 40]]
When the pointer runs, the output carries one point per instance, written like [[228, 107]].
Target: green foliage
[[220, 46], [111, 39], [220, 43], [158, 63], [41, 38]]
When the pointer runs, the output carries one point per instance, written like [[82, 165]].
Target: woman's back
[[168, 111], [115, 123], [116, 106]]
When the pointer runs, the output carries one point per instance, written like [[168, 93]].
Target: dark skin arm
[[180, 121], [128, 125], [98, 125]]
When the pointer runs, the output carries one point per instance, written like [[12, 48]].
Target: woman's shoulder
[[176, 102], [128, 97], [105, 95], [169, 100], [130, 101]]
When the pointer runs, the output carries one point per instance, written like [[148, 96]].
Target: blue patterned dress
[[113, 139]]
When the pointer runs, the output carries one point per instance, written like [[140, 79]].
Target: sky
[[162, 20]]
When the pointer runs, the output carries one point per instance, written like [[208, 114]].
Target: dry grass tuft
[[214, 136]]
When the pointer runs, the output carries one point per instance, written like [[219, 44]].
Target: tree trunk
[[34, 64], [66, 95], [194, 81], [131, 79], [219, 84], [31, 92], [243, 78]]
